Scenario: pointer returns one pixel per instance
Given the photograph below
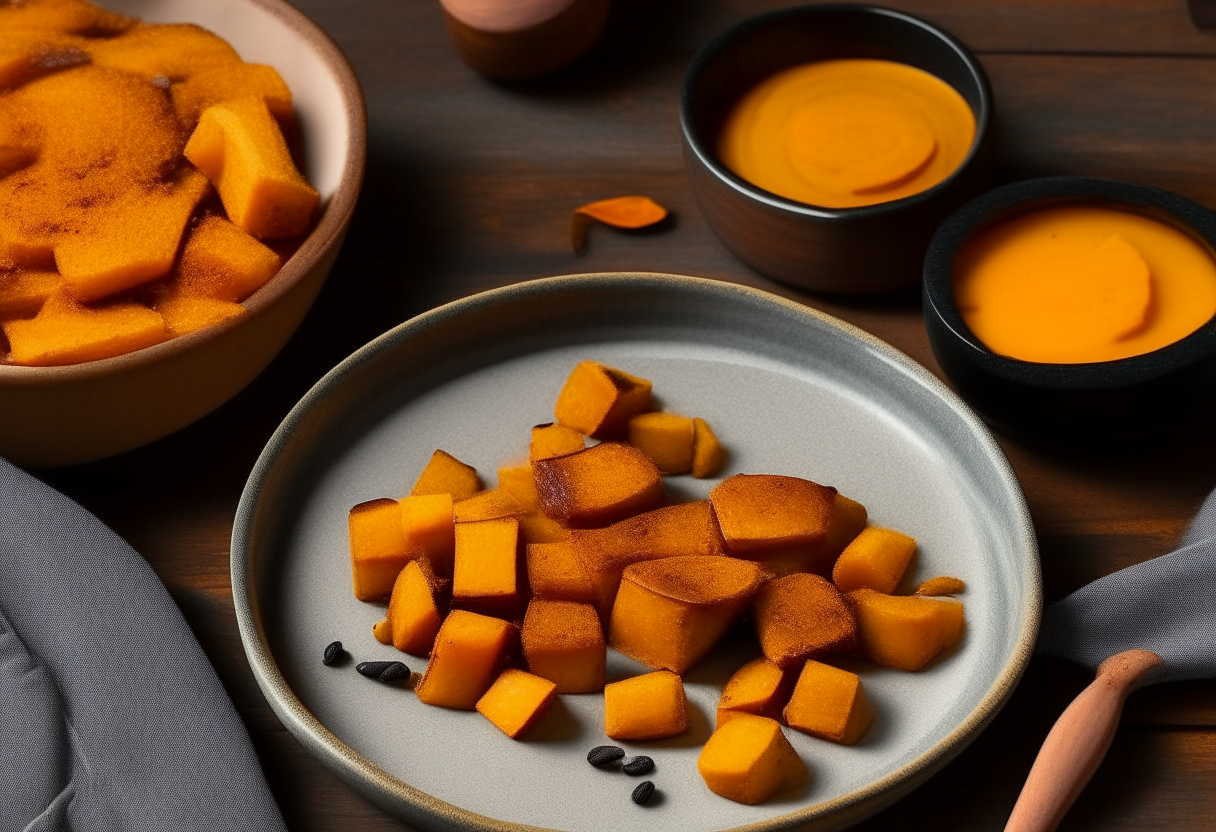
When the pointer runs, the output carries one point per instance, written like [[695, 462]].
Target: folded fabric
[[111, 717], [1166, 605]]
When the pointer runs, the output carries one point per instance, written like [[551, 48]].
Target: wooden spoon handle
[[1077, 743]]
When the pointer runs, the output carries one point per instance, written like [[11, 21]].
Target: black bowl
[[873, 248], [1071, 403]]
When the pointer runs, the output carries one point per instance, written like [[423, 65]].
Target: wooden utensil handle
[[1077, 743]]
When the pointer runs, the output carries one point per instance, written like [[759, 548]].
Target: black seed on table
[[333, 653], [372, 670], [604, 755], [638, 765], [643, 792], [395, 672]]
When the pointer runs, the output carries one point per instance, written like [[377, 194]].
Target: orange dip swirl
[[846, 133], [1083, 283]]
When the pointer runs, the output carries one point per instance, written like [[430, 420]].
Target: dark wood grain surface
[[470, 185]]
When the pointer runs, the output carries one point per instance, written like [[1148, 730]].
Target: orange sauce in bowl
[[846, 133], [1083, 283]]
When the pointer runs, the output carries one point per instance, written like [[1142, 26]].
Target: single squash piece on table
[[445, 474], [759, 687], [229, 82], [492, 504], [647, 707], [708, 455], [669, 613], [240, 148], [800, 616], [905, 631], [427, 521], [829, 703], [667, 438], [557, 573], [221, 261], [470, 651], [597, 486], [378, 548], [749, 759], [598, 400], [516, 701], [876, 560], [848, 519], [554, 440], [760, 511], [564, 643], [415, 610], [486, 577], [64, 332]]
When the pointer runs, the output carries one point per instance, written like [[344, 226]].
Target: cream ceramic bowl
[[52, 416]]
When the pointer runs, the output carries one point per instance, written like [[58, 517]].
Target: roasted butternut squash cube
[[564, 643], [64, 332], [240, 148], [516, 701], [876, 559], [557, 573], [537, 527], [666, 438], [493, 504], [598, 400], [759, 687], [942, 585], [184, 314], [759, 511], [378, 548], [708, 454], [800, 616], [445, 474], [414, 610], [749, 759], [669, 613], [469, 653], [427, 521], [647, 707], [554, 440], [173, 50], [223, 262], [229, 82], [829, 703], [517, 480], [905, 631], [487, 567], [848, 519], [597, 486]]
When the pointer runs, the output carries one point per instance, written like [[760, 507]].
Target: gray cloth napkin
[[111, 718], [1166, 605]]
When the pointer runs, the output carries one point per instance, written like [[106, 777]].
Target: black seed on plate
[[395, 672], [372, 670], [643, 792], [604, 755], [638, 765], [333, 653]]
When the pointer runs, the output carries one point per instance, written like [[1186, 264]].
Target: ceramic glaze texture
[[788, 392]]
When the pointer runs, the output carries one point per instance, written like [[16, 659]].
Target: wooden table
[[469, 186]]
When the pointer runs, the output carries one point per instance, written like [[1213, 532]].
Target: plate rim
[[399, 797]]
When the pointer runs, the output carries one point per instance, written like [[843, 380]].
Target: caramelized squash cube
[[228, 82], [557, 573], [172, 50], [445, 474], [759, 687], [647, 707], [554, 440], [378, 548], [184, 314], [414, 612], [517, 480], [427, 521], [848, 519], [597, 486], [758, 511], [708, 454], [493, 504], [486, 577], [516, 701], [876, 560], [598, 400], [240, 148], [564, 643], [666, 438], [749, 759], [905, 631], [669, 613], [829, 703], [222, 261], [537, 527], [469, 653], [23, 293], [800, 616], [64, 332]]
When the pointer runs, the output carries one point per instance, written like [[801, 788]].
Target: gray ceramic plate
[[788, 390]]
